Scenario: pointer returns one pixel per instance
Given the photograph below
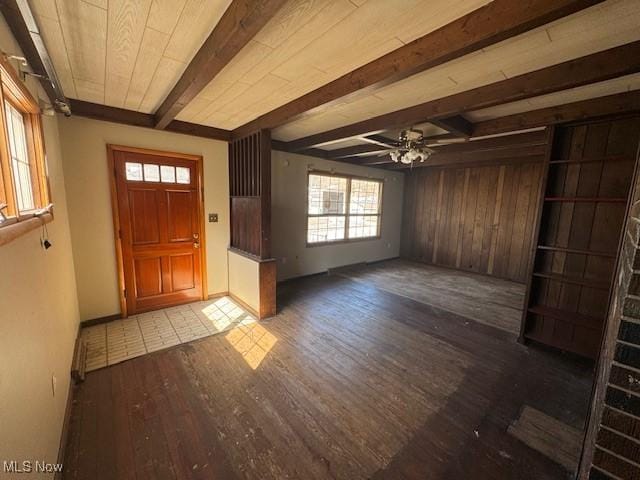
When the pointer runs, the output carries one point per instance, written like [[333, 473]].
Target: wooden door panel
[[182, 272], [160, 228], [180, 215], [143, 212], [148, 275]]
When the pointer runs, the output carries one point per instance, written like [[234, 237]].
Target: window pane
[[151, 172], [168, 174], [365, 197], [363, 227], [325, 229], [19, 158], [133, 171], [183, 175], [327, 194]]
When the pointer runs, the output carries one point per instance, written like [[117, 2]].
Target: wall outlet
[[213, 218], [54, 384]]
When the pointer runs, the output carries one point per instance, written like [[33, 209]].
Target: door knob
[[196, 244], [196, 235]]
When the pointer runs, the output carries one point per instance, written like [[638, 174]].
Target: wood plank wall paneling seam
[[496, 220], [473, 217]]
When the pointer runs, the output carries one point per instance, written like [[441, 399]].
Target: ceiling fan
[[410, 147]]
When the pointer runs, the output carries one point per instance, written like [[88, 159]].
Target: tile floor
[[120, 340]]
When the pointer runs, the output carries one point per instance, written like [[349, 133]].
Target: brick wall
[[612, 446]]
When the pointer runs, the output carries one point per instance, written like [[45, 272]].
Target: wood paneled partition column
[[252, 278], [250, 192]]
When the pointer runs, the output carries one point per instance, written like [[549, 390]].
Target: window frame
[[347, 213], [15, 93]]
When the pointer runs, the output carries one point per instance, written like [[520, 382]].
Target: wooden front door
[[159, 230]]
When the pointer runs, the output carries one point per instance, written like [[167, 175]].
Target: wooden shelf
[[561, 345], [612, 158], [573, 280], [586, 199], [580, 319], [577, 251]]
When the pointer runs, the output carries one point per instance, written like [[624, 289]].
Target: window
[[150, 172], [23, 182], [342, 208]]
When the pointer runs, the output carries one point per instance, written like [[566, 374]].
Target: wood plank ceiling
[[124, 53], [130, 54]]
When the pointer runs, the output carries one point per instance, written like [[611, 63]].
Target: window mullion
[[347, 209], [6, 172]]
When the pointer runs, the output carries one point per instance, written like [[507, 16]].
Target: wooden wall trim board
[[66, 426], [598, 67], [213, 296], [487, 25], [268, 284], [242, 20], [97, 321], [139, 119], [245, 305]]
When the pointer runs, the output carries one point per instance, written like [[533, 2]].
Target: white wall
[[244, 279], [289, 190], [38, 319], [84, 144]]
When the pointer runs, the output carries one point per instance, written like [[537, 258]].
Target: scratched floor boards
[[360, 383]]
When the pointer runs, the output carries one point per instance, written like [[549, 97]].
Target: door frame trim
[[111, 150]]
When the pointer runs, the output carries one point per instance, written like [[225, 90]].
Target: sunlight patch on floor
[[253, 342], [120, 340]]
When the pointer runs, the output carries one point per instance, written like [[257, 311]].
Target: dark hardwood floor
[[349, 381]]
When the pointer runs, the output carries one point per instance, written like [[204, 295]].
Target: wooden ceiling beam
[[441, 158], [23, 26], [487, 25], [242, 20], [312, 152], [378, 140], [529, 143], [356, 150], [618, 104], [598, 67], [139, 119], [456, 124]]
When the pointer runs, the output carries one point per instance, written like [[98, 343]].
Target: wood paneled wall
[[250, 192], [586, 194], [476, 218]]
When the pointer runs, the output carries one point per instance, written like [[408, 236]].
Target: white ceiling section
[[601, 89], [124, 53], [310, 43], [606, 25], [130, 53]]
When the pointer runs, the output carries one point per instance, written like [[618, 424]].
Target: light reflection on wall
[[252, 341]]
